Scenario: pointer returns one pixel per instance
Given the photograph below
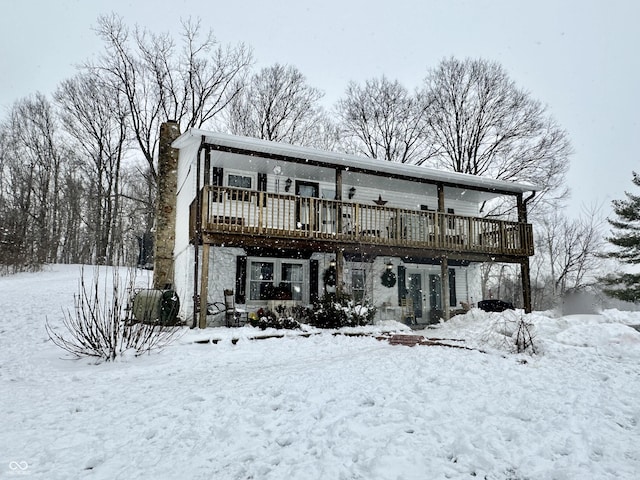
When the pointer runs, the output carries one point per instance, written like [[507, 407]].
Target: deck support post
[[338, 197], [444, 284], [526, 284], [339, 271], [525, 273], [339, 254], [204, 285]]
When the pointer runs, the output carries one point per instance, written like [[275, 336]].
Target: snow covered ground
[[322, 407]]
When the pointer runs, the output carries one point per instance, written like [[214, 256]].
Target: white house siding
[[398, 194], [186, 192], [183, 280], [411, 197], [222, 273], [222, 276], [183, 252], [474, 283]]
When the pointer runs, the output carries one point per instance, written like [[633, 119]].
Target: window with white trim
[[237, 179], [277, 279]]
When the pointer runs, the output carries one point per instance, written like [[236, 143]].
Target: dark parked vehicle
[[494, 305]]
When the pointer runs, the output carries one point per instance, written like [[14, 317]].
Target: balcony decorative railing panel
[[239, 211]]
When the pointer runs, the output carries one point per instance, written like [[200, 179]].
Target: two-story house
[[282, 223]]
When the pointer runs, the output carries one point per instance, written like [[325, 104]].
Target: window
[[276, 279], [261, 280], [328, 193], [358, 279], [291, 281], [239, 181]]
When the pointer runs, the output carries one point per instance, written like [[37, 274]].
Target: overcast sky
[[579, 57]]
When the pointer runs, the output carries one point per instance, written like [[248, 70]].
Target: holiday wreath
[[388, 278], [329, 277]]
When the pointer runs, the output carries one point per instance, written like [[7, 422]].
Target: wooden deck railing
[[239, 211]]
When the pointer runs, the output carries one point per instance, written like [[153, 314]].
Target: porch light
[[287, 184], [352, 192], [389, 265], [332, 263]]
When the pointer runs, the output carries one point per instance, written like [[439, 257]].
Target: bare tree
[[31, 164], [481, 123], [570, 249], [567, 260], [94, 118], [76, 241], [14, 205], [160, 82], [197, 83], [501, 281], [190, 83], [278, 105], [383, 120]]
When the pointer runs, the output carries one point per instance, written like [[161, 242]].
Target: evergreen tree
[[626, 240]]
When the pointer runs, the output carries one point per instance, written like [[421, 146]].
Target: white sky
[[579, 57]]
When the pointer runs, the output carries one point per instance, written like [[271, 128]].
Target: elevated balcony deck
[[245, 217]]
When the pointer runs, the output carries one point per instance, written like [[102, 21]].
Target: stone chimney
[[166, 205]]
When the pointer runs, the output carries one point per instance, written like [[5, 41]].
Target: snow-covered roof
[[348, 161]]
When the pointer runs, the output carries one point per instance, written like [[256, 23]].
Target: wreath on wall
[[329, 277], [388, 278]]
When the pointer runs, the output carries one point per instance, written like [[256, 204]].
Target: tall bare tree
[[569, 251], [32, 164], [161, 82], [197, 82], [190, 82], [278, 105], [383, 120], [95, 120], [481, 123]]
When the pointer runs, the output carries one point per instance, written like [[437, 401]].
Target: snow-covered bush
[[99, 325], [510, 331], [339, 310], [265, 318]]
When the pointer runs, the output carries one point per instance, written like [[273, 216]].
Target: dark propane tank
[[156, 306]]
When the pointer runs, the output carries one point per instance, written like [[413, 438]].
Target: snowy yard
[[323, 407]]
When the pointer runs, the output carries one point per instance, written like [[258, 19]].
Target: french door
[[425, 290], [305, 217]]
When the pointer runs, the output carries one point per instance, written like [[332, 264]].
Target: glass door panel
[[414, 286]]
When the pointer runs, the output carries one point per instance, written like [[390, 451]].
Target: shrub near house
[[339, 310], [330, 311]]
